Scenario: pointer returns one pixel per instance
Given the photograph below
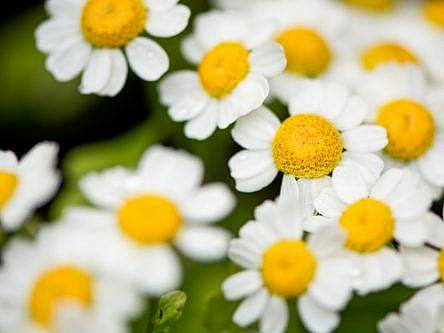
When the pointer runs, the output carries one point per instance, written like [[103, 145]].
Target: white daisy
[[422, 313], [411, 111], [311, 33], [234, 61], [144, 212], [371, 216], [279, 266], [89, 36], [55, 285], [26, 184], [309, 145]]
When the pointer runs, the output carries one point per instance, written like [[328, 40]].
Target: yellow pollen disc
[[58, 285], [288, 267], [8, 184], [372, 5], [113, 23], [223, 68], [307, 52], [369, 224], [410, 129], [441, 265], [307, 146], [434, 12], [149, 219], [386, 52]]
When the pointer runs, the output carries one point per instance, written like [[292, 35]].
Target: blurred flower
[[143, 213], [26, 184], [422, 313], [371, 215], [279, 265], [324, 120], [412, 112], [234, 62], [55, 285], [88, 35]]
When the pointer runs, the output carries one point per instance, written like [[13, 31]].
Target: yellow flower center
[[386, 52], [60, 284], [434, 12], [113, 23], [372, 5], [307, 52], [410, 128], [307, 146], [149, 219], [441, 265], [288, 267], [369, 224], [223, 68], [8, 185]]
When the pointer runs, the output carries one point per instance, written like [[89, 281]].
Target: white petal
[[204, 244], [201, 127], [420, 266], [168, 23], [8, 160], [97, 72], [388, 182], [251, 93], [275, 316], [317, 222], [328, 241], [177, 86], [52, 33], [350, 186], [64, 8], [316, 318], [334, 100], [257, 182], [308, 99], [241, 284], [328, 203], [259, 234], [208, 204], [268, 59], [189, 106], [69, 59], [244, 254], [229, 112], [192, 50], [256, 130], [353, 115], [147, 58], [411, 232], [435, 230], [160, 5], [252, 308], [430, 163], [365, 139], [118, 74], [370, 166]]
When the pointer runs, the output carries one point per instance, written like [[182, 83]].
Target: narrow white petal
[[307, 99], [353, 115], [177, 86], [252, 308], [365, 139], [242, 284], [97, 72], [316, 318], [245, 255], [168, 23], [52, 33], [435, 230], [118, 74], [348, 183], [411, 232], [202, 126], [268, 59], [329, 204], [252, 92], [420, 266], [275, 316], [160, 5]]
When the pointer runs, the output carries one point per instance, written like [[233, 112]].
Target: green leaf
[[169, 311]]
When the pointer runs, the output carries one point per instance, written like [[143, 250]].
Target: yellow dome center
[[113, 23], [372, 5], [288, 267], [307, 52], [60, 284], [410, 128], [434, 12], [307, 146], [149, 219], [441, 264], [387, 52], [223, 68], [8, 185], [369, 224]]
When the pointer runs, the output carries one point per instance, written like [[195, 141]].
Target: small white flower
[[422, 313], [371, 216], [56, 285], [27, 184], [234, 61], [312, 33], [88, 36], [142, 213], [279, 265], [401, 101], [309, 145]]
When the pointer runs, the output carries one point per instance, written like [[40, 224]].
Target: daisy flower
[[55, 285], [143, 213], [311, 33], [89, 36], [401, 101], [324, 135], [26, 184], [234, 61], [372, 216], [422, 313], [280, 266]]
